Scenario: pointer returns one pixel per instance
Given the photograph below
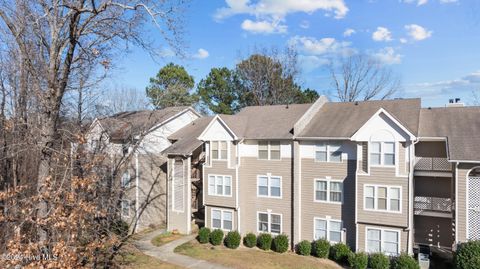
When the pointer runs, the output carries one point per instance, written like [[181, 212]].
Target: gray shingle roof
[[341, 120], [185, 139], [461, 127], [124, 125]]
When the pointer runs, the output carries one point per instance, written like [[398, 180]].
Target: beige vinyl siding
[[402, 162], [250, 204], [461, 199], [386, 177], [208, 216], [362, 236], [345, 172], [178, 220]]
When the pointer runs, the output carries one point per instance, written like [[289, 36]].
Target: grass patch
[[164, 238], [252, 258], [132, 258]]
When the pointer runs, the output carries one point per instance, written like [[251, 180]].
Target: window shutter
[[178, 180]]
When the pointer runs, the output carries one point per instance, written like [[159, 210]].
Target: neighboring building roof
[[343, 119], [461, 127], [186, 138], [124, 125]]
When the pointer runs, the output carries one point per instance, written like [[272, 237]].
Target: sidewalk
[[165, 253]]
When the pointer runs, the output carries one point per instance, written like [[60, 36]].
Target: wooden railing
[[432, 164]]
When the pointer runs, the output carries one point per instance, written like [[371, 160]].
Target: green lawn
[[132, 258], [245, 258], [164, 238]]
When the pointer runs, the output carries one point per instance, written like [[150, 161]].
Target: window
[[269, 186], [269, 150], [382, 153], [125, 180], [222, 219], [219, 150], [269, 223], [219, 185], [380, 240], [382, 198], [330, 230], [125, 208], [328, 152], [327, 190]]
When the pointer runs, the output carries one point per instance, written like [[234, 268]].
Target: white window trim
[[269, 156], [269, 213], [382, 154], [375, 200], [328, 180], [129, 180], [173, 189], [220, 150], [269, 176], [128, 207], [328, 228], [382, 230], [223, 184], [328, 144], [221, 218]]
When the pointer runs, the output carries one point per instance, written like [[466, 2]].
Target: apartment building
[[132, 143], [377, 175]]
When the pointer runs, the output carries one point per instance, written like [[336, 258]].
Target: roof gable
[[217, 129]]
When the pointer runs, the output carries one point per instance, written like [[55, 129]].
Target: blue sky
[[433, 45]]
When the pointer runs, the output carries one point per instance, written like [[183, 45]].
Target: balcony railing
[[424, 204], [432, 164]]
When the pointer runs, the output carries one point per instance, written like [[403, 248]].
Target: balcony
[[432, 166], [433, 206]]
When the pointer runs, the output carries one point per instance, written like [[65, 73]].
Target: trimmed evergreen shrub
[[280, 243], [467, 255], [304, 248], [405, 261], [203, 235], [250, 240], [321, 248], [340, 252], [358, 260], [232, 240], [216, 237], [379, 261], [264, 241]]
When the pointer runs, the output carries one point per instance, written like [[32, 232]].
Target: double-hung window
[[269, 150], [380, 240], [126, 179], [219, 150], [382, 153], [327, 190], [382, 198], [328, 152], [269, 186], [269, 223], [222, 219], [219, 185], [125, 208], [330, 230]]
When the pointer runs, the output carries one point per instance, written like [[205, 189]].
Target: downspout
[[137, 204]]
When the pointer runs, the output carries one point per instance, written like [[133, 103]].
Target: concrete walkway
[[165, 253]]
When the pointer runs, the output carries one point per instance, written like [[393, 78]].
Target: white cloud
[[263, 27], [274, 11], [419, 2], [417, 32], [201, 54], [305, 24], [388, 55], [321, 46], [311, 62], [349, 32], [451, 87], [403, 40], [382, 34], [448, 1]]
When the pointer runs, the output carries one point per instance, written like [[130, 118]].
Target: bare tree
[[121, 98], [52, 41], [476, 97], [361, 77]]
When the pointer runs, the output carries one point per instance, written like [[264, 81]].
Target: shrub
[[250, 240], [321, 248], [232, 240], [358, 260], [280, 243], [203, 235], [405, 261], [340, 252], [216, 237], [264, 241], [119, 227], [304, 248], [379, 261], [467, 255]]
